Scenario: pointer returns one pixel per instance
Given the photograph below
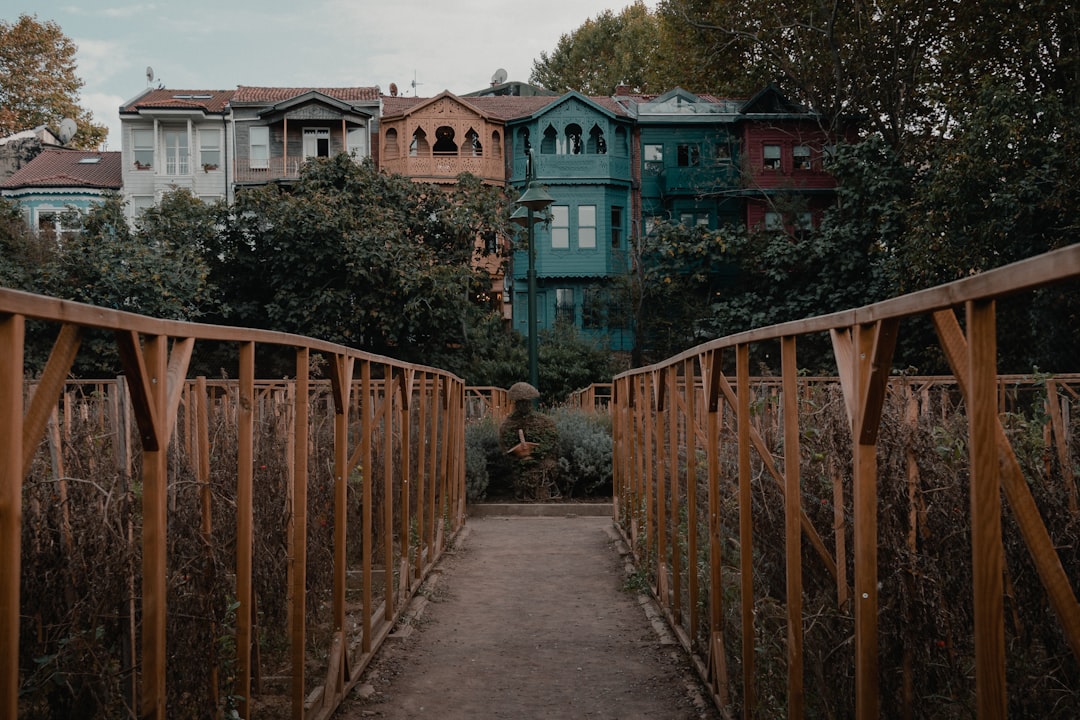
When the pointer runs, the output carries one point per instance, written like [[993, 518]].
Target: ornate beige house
[[436, 139]]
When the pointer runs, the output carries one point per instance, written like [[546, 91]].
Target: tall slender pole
[[534, 369]]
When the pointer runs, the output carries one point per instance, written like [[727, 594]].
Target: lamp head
[[535, 197]]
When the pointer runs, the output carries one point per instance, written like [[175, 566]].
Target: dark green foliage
[[568, 361], [487, 469], [584, 452]]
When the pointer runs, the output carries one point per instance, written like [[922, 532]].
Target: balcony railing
[[270, 170]]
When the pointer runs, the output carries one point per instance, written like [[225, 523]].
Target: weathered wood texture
[[741, 427], [383, 533]]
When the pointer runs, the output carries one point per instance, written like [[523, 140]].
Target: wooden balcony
[[273, 170], [445, 168]]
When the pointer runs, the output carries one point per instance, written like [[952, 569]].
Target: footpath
[[527, 617]]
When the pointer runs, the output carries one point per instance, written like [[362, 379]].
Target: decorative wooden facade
[[581, 148], [435, 140]]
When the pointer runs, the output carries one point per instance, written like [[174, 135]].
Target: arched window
[[419, 146], [444, 141], [548, 146], [526, 145], [573, 139], [472, 144], [390, 146], [496, 145], [597, 144], [621, 148]]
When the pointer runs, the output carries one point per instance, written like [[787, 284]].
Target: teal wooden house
[[690, 155], [582, 151]]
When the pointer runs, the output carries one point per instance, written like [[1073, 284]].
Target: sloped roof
[[56, 167], [249, 94], [501, 107], [210, 101]]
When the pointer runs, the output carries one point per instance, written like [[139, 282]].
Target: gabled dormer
[[436, 139]]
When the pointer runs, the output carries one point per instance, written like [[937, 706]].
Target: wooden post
[[367, 421], [298, 558], [746, 526], [986, 546], [12, 331], [245, 466], [388, 490], [341, 384], [691, 494], [792, 531]]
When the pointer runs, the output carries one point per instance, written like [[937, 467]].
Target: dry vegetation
[[925, 622]]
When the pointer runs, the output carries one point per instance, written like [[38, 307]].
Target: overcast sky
[[454, 45]]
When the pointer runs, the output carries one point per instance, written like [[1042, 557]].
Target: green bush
[[487, 469], [584, 452]]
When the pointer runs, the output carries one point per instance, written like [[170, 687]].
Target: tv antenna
[[414, 83]]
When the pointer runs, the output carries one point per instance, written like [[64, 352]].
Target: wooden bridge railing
[[192, 547], [840, 548]]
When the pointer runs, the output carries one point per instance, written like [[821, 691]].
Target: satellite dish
[[149, 74], [499, 77], [67, 130]]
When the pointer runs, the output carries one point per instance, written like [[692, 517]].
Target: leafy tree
[[38, 81], [22, 251], [567, 361], [606, 51], [352, 255]]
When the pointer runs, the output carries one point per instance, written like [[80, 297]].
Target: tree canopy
[[39, 84]]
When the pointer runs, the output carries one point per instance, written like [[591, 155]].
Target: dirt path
[[527, 618]]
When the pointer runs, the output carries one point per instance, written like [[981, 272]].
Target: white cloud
[[106, 110]]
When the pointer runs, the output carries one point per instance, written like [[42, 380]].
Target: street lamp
[[534, 199]]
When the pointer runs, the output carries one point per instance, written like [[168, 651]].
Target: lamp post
[[533, 200]]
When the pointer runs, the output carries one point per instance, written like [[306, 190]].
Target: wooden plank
[[1061, 444], [245, 536], [298, 558], [388, 491], [140, 388], [341, 384], [12, 333], [367, 533], [864, 504], [986, 545], [48, 389], [1043, 553], [746, 527], [689, 372], [150, 379], [792, 530], [179, 359]]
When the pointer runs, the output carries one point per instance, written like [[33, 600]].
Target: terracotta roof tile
[[62, 168], [248, 94], [211, 101]]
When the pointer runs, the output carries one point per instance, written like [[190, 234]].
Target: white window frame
[[210, 149], [357, 138], [560, 227], [176, 155], [586, 232], [143, 152], [259, 137], [770, 156], [801, 157], [312, 136]]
